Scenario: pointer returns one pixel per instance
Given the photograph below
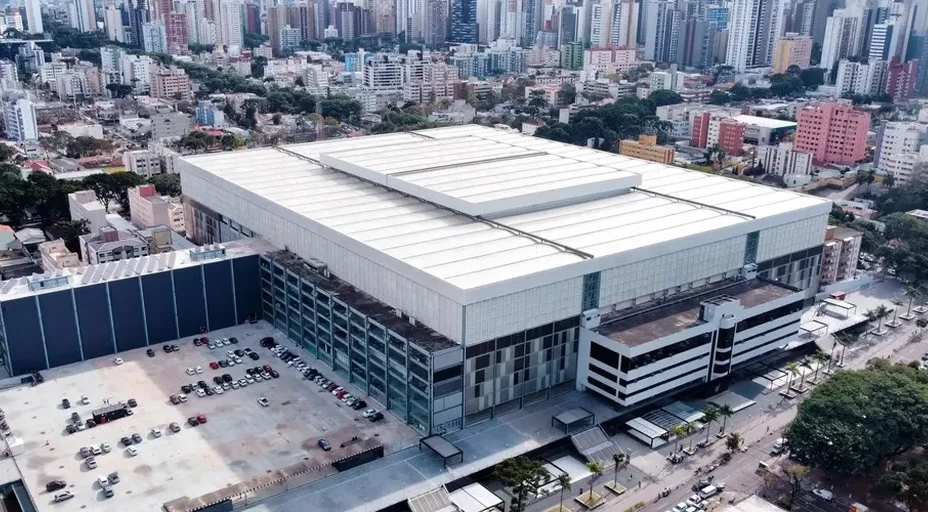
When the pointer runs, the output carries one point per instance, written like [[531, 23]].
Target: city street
[[760, 425]]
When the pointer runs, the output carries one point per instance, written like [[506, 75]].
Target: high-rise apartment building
[[463, 21], [753, 28], [170, 83], [113, 24], [859, 78], [175, 26], [229, 19], [880, 42], [19, 117], [792, 50], [842, 37], [154, 37], [624, 29], [34, 17], [898, 137], [900, 78], [662, 31], [833, 131]]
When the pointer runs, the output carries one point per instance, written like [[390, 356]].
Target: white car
[[235, 384], [370, 412], [230, 362], [103, 481], [182, 397], [823, 494], [218, 390], [679, 507], [694, 501], [249, 380], [200, 393], [118, 361], [156, 432], [198, 369], [238, 360], [63, 496], [190, 371], [132, 451], [211, 345], [264, 402]]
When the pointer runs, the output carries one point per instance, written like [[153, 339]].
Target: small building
[[839, 257], [109, 245], [920, 215], [142, 162], [84, 205], [646, 148], [148, 209], [55, 256]]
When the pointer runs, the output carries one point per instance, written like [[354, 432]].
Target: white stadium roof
[[474, 206]]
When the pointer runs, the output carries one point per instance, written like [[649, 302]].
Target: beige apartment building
[[55, 256], [148, 209], [839, 258]]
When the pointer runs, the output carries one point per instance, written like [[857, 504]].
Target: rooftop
[[636, 326], [765, 122], [474, 206]]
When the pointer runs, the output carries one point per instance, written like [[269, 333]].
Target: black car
[[254, 356], [360, 404], [137, 438], [186, 389], [166, 348], [324, 445], [55, 485], [193, 421], [75, 417], [267, 342], [233, 340], [217, 379], [202, 384], [90, 423], [239, 352], [209, 391], [65, 403], [71, 429], [174, 348], [223, 364], [133, 403], [114, 477], [275, 374], [226, 377], [377, 417], [126, 441], [150, 352]]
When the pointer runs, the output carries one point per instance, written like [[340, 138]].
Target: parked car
[[113, 478], [137, 438], [254, 356], [126, 441], [65, 403], [192, 421], [132, 402], [174, 427], [175, 400], [324, 445], [166, 348], [55, 485], [201, 418], [189, 371], [264, 402], [268, 342], [370, 412], [213, 365], [823, 494], [360, 404], [132, 451], [91, 462], [103, 481], [376, 417], [63, 496], [233, 340], [117, 360], [156, 432], [106, 447], [85, 452], [150, 352]]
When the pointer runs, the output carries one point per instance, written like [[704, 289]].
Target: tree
[[69, 231], [677, 431], [907, 483], [563, 480], [597, 469], [113, 187], [793, 369], [879, 314], [619, 459], [866, 178], [820, 358], [719, 98], [726, 412], [914, 292], [812, 77], [733, 442], [710, 413], [230, 142], [166, 184], [537, 102], [568, 94], [807, 364], [897, 304], [200, 48], [691, 429], [663, 97], [795, 475], [858, 418], [524, 476]]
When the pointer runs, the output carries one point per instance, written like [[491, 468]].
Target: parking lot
[[240, 441]]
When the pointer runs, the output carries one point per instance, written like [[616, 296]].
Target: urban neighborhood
[[464, 255]]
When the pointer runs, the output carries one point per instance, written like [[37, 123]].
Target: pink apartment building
[[833, 132]]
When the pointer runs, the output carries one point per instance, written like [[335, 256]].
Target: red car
[[201, 418], [214, 365], [267, 368], [204, 341]]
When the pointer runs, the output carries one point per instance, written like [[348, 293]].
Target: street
[[759, 425]]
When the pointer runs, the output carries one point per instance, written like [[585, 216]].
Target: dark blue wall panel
[[191, 311], [159, 307], [93, 312], [64, 347], [247, 287], [23, 335], [128, 322], [219, 300]]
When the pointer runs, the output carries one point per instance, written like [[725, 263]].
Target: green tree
[[719, 98], [568, 93], [166, 184], [726, 412], [733, 442], [200, 48], [812, 77], [524, 476], [563, 481], [710, 414], [619, 461], [820, 359], [677, 431], [7, 152], [793, 369], [70, 231], [795, 474], [597, 471], [858, 418], [663, 97]]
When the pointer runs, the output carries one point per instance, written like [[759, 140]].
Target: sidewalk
[[753, 431]]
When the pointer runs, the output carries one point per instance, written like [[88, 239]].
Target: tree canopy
[[166, 184], [663, 97], [858, 418], [627, 118]]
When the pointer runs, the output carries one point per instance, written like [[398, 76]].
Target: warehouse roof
[[474, 206]]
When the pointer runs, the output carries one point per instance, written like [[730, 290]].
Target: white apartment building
[[85, 205], [136, 71], [50, 71], [899, 137], [383, 73], [671, 80], [142, 162], [609, 60], [34, 17], [148, 209], [843, 37], [155, 37], [19, 117], [229, 17], [437, 82], [110, 244], [112, 21], [905, 167], [663, 278], [782, 159], [865, 79], [9, 76], [55, 256]]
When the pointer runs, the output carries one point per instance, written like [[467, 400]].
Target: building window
[[590, 291], [604, 355], [750, 247]]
